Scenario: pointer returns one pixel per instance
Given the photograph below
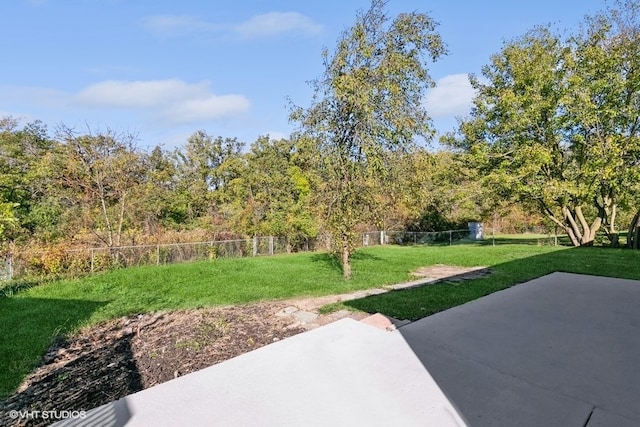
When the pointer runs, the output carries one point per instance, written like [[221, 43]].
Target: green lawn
[[511, 264], [30, 319]]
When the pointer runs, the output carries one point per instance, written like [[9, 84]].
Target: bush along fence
[[89, 260]]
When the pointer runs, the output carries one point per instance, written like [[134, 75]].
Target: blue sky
[[164, 68]]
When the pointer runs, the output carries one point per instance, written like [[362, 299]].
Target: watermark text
[[46, 415]]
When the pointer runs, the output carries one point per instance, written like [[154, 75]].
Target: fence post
[[158, 254], [255, 246], [270, 245], [92, 260], [382, 242], [11, 266], [450, 240]]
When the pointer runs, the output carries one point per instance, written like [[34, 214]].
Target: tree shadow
[[328, 259], [334, 263], [85, 382], [364, 256]]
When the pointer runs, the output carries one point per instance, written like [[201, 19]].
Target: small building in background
[[476, 230]]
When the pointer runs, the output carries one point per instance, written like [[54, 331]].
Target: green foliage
[[7, 217], [23, 154], [271, 192], [203, 171]]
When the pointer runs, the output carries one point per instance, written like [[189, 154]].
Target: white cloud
[[274, 23], [176, 25], [170, 100], [451, 97], [210, 108], [138, 94]]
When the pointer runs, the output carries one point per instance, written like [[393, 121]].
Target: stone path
[[305, 312]]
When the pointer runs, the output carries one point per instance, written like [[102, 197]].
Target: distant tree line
[[95, 188]]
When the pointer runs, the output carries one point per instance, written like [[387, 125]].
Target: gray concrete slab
[[346, 373], [561, 350]]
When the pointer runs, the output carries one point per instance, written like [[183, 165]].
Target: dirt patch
[[126, 355]]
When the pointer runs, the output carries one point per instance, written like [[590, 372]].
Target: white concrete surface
[[343, 374]]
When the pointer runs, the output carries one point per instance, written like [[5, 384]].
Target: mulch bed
[[123, 356]]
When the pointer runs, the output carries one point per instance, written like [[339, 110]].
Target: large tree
[[516, 133], [367, 103], [604, 107], [555, 122]]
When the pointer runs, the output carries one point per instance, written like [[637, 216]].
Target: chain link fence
[[83, 261]]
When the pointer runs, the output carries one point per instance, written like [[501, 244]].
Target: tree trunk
[[588, 233], [632, 236], [580, 233], [346, 258], [573, 230], [613, 235], [123, 205], [572, 236]]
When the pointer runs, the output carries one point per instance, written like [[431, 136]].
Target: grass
[[32, 316], [510, 264]]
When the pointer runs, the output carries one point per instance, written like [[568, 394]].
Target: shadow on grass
[[333, 262], [28, 326], [416, 303]]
